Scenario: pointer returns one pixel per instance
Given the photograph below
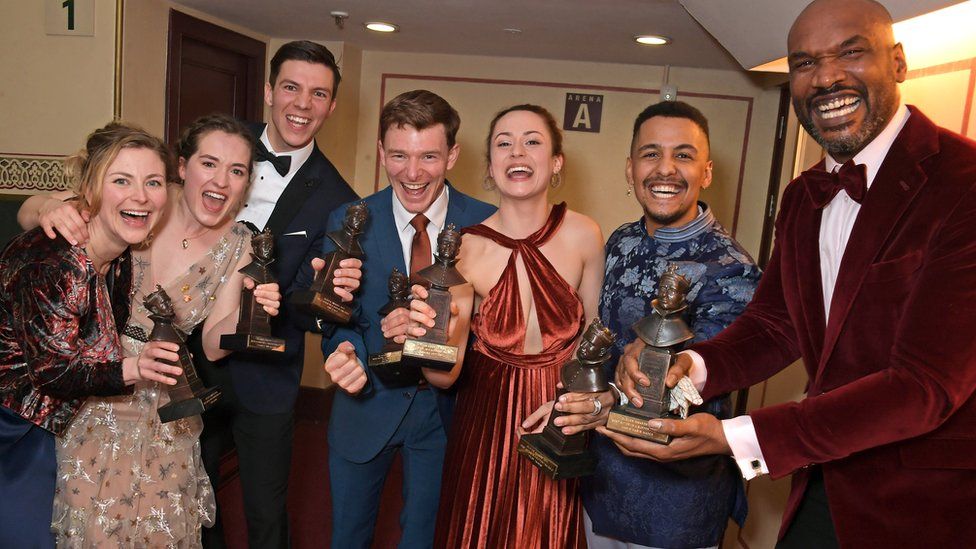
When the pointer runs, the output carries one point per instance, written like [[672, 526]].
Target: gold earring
[[555, 180], [629, 190]]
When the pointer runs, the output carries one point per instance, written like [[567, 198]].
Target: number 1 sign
[[70, 17]]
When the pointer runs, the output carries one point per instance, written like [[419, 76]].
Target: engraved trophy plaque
[[254, 323], [665, 332], [431, 350], [386, 364], [320, 298], [188, 397], [567, 456]]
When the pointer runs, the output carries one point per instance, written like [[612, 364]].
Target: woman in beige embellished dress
[[124, 478]]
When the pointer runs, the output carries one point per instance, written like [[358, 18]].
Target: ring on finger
[[597, 406]]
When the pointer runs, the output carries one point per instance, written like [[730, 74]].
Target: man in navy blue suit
[[294, 189], [372, 420]]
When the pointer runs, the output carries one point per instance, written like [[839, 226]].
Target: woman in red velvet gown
[[535, 272]]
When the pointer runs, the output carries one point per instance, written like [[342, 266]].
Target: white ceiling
[[754, 31]]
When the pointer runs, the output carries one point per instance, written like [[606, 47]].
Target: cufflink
[[756, 467]]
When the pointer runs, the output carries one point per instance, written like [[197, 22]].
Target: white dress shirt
[[268, 184], [436, 214], [835, 228]]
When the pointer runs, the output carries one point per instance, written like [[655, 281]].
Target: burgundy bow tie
[[823, 185]]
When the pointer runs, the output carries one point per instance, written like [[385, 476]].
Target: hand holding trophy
[[386, 364], [567, 456], [188, 397], [431, 350], [254, 323], [665, 332], [320, 298]]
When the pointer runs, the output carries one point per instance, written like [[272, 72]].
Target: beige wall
[[593, 178], [56, 89]]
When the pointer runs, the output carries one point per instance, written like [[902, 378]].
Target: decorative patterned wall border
[[32, 173]]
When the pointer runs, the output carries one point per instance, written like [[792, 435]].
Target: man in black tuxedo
[[295, 188]]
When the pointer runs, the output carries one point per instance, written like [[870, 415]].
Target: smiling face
[[668, 167], [521, 155], [416, 163], [216, 177], [300, 100], [133, 198], [844, 73]]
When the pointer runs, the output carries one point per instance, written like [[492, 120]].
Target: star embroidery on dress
[[204, 284], [201, 270]]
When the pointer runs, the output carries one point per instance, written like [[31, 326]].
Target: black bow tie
[[823, 186], [281, 163]]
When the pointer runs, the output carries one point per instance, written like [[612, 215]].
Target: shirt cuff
[[622, 399], [741, 436], [698, 374]]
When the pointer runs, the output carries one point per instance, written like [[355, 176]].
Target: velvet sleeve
[[49, 306], [758, 344], [930, 374]]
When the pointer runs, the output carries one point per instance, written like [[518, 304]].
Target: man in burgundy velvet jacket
[[876, 292]]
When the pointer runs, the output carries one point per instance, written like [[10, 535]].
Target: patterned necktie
[[420, 247], [281, 163], [823, 186]]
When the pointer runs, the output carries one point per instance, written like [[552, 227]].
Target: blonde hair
[[86, 169]]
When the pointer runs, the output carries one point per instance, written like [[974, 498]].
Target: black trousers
[[264, 444], [812, 525]]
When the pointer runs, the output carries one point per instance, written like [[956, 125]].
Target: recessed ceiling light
[[380, 26], [652, 40]]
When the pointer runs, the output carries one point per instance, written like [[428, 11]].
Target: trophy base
[[391, 371], [623, 419], [193, 406], [317, 304], [554, 465], [426, 354], [252, 343]]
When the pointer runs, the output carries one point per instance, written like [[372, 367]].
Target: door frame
[[183, 26]]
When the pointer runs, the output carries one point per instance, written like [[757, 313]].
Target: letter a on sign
[[583, 112]]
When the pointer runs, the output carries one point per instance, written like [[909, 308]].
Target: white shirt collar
[[436, 213], [298, 156], [873, 154]]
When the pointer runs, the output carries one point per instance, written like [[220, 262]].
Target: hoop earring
[[555, 180], [488, 183]]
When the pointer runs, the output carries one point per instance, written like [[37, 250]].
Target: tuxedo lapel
[[301, 186], [807, 260], [898, 181]]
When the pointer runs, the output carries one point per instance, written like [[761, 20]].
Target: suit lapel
[[456, 206], [894, 188], [386, 233], [301, 186]]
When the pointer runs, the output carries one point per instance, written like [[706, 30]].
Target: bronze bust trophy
[[254, 324], [665, 333], [320, 298], [188, 397], [431, 350], [386, 364], [567, 456]]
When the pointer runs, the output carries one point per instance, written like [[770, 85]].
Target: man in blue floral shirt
[[632, 502]]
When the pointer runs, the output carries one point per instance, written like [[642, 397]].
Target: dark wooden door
[[211, 69]]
